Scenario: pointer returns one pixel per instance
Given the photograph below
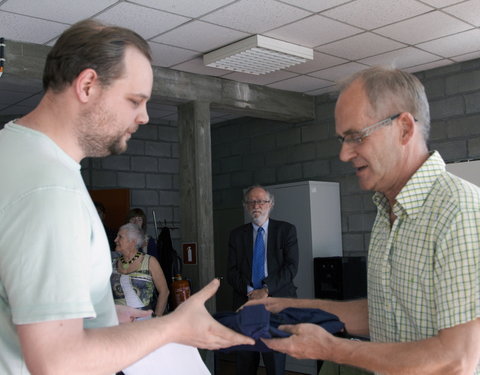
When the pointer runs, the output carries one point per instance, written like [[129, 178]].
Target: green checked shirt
[[424, 270]]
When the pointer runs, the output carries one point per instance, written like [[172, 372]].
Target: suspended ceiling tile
[[145, 21], [27, 29], [361, 46], [213, 36], [315, 5], [28, 21], [370, 14], [65, 11], [301, 84], [313, 31], [468, 11], [167, 56], [467, 56], [320, 61], [339, 73], [441, 3], [423, 28], [401, 59], [255, 16], [453, 45], [185, 7]]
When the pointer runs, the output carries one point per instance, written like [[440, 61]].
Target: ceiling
[[346, 35]]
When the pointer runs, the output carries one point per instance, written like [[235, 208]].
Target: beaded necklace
[[125, 263]]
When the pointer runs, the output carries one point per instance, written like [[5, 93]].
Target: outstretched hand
[[258, 294], [308, 341], [193, 325]]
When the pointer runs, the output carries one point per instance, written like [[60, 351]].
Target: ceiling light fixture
[[258, 54]]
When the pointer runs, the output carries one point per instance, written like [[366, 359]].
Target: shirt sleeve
[[46, 266], [457, 271]]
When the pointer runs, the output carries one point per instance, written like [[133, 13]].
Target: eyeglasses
[[359, 137], [254, 203]]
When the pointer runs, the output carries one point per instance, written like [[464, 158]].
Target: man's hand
[[127, 314], [258, 294], [191, 324], [308, 341]]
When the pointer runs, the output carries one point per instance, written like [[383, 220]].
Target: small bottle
[[181, 289]]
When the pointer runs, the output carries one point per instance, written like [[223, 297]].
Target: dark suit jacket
[[282, 260]]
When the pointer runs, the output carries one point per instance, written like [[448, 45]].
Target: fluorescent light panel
[[258, 54]]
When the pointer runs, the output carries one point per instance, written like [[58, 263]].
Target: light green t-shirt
[[54, 254]]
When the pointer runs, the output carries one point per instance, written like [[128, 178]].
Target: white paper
[[174, 359]]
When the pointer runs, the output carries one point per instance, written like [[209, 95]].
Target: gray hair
[[134, 232], [271, 197], [390, 91]]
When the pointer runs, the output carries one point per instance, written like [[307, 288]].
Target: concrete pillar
[[195, 176]]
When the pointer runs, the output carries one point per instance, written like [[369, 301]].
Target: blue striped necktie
[[258, 266]]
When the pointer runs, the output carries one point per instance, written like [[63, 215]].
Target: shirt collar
[[412, 196], [264, 226]]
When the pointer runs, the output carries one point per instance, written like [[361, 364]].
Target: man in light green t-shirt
[[56, 309]]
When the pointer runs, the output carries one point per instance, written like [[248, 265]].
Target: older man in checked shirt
[[423, 307]]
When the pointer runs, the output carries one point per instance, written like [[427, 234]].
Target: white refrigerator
[[314, 208]]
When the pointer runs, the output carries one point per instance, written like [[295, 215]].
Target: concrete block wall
[[247, 151], [149, 168], [454, 96]]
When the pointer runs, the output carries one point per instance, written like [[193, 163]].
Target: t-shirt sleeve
[[46, 266]]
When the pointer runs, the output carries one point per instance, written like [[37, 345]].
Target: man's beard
[[260, 219], [94, 129]]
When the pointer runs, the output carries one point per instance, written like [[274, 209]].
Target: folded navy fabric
[[256, 322]]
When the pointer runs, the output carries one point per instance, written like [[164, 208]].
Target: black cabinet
[[340, 278]]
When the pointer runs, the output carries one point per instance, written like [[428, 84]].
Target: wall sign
[[189, 253]]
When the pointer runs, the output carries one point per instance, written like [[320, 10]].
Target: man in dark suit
[[262, 261]]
